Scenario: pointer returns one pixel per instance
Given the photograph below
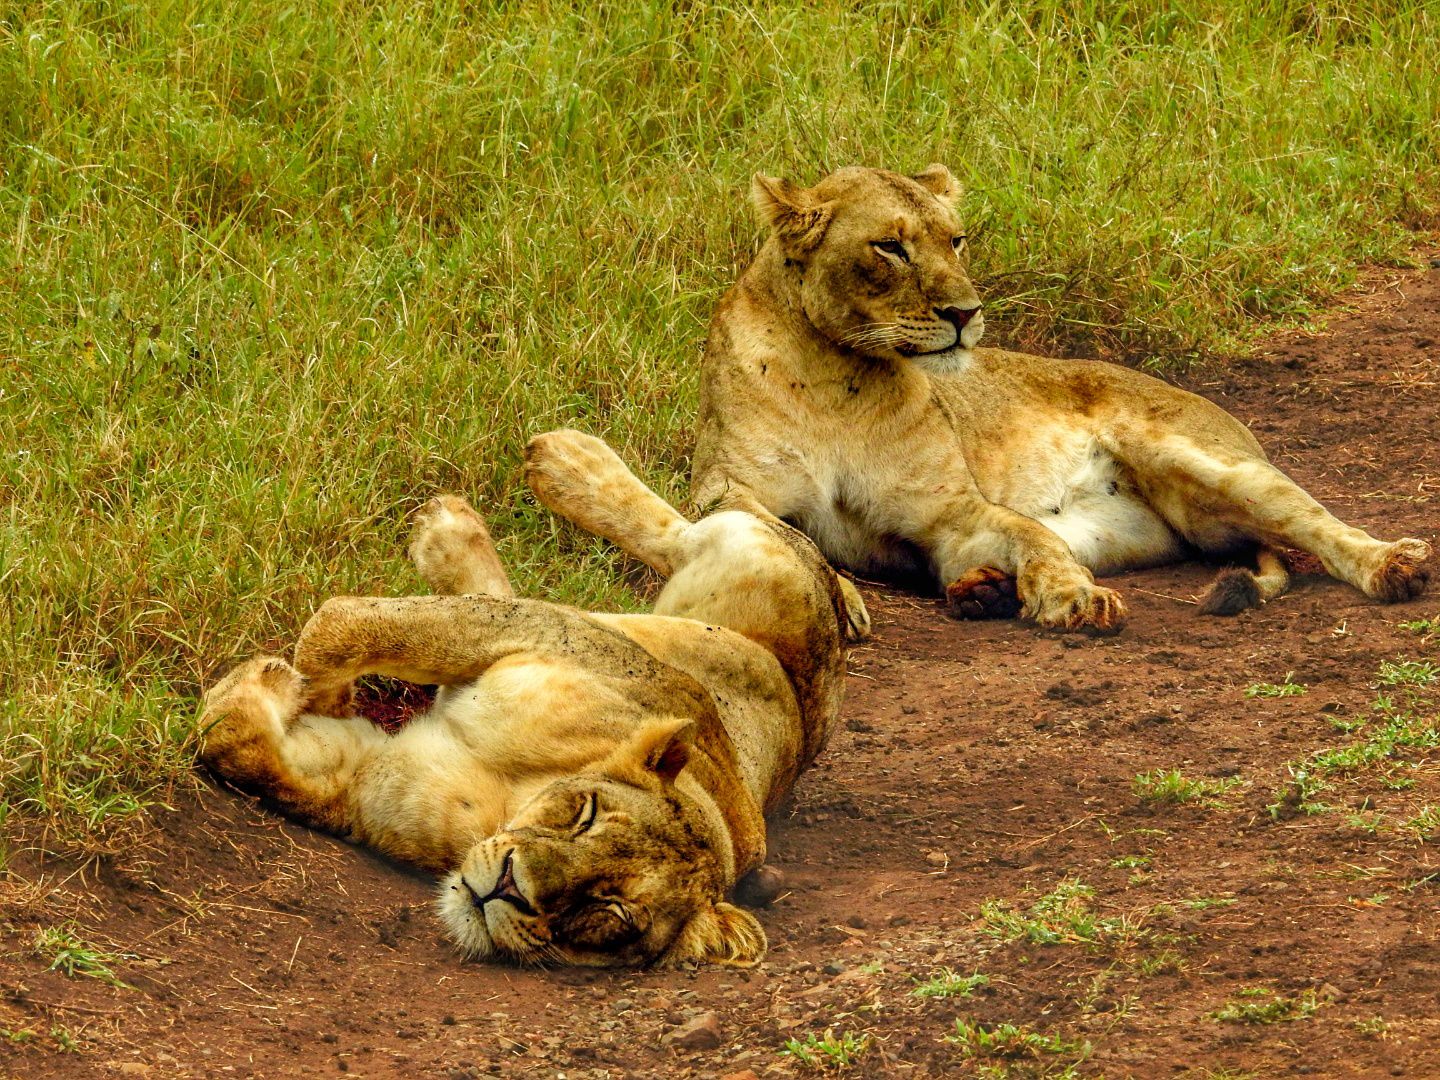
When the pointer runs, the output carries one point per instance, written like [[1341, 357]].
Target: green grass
[[1064, 916], [1408, 672], [827, 1051], [276, 272], [72, 955], [1400, 734], [947, 983], [1258, 1005], [1011, 1041], [1288, 688], [1169, 786]]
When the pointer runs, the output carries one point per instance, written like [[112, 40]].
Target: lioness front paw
[[1091, 608], [263, 677], [1404, 574], [986, 592]]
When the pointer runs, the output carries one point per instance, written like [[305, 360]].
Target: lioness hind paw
[[983, 593], [1404, 574], [452, 550], [565, 467], [265, 674]]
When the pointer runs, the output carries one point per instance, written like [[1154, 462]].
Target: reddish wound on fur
[[390, 703]]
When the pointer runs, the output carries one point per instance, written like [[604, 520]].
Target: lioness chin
[[842, 391], [590, 786]]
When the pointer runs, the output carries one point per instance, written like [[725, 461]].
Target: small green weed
[[24, 1035], [1408, 672], [1425, 824], [72, 955], [1064, 916], [1259, 1005], [1169, 786], [947, 983], [827, 1051], [1131, 862], [1370, 823], [1161, 963], [1288, 688], [65, 1040], [1347, 725], [1374, 1026], [1011, 1041], [1426, 628]]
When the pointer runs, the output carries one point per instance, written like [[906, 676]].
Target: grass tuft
[[827, 1051], [947, 983], [1258, 1005], [1169, 786], [72, 955]]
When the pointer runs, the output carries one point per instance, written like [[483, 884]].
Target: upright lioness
[[590, 786], [842, 392]]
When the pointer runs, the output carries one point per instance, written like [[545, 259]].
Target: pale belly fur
[[1076, 489], [1072, 486]]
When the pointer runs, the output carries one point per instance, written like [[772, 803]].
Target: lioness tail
[[1238, 588]]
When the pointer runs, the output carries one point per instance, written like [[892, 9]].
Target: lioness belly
[[1077, 489]]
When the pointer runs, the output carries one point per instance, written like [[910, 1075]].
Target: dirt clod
[[701, 1033]]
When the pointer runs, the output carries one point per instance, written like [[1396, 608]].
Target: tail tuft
[[1237, 589], [1234, 591]]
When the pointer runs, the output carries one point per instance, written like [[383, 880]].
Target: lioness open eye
[[958, 243], [585, 816], [893, 247]]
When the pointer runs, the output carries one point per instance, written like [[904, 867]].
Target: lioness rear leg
[[1208, 498], [755, 575]]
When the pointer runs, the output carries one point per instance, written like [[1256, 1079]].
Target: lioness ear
[[940, 182], [792, 215], [723, 934], [661, 748]]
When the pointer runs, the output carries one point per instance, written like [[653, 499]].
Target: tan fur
[[591, 786], [842, 392]]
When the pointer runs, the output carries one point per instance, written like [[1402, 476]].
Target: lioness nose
[[957, 316]]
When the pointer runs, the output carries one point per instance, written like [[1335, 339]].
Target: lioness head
[[610, 867], [881, 262]]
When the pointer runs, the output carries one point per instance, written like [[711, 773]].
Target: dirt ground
[[975, 763]]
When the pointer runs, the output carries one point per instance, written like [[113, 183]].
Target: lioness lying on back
[[590, 785], [842, 391]]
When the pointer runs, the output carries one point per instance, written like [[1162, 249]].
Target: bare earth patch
[[1246, 905]]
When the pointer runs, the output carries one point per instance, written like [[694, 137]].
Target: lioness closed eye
[[589, 786], [842, 391]]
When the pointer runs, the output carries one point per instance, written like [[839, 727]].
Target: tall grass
[[277, 271]]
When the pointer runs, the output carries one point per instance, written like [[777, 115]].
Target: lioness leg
[[749, 572], [252, 732], [755, 576], [433, 640], [976, 543], [714, 491], [1209, 497]]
